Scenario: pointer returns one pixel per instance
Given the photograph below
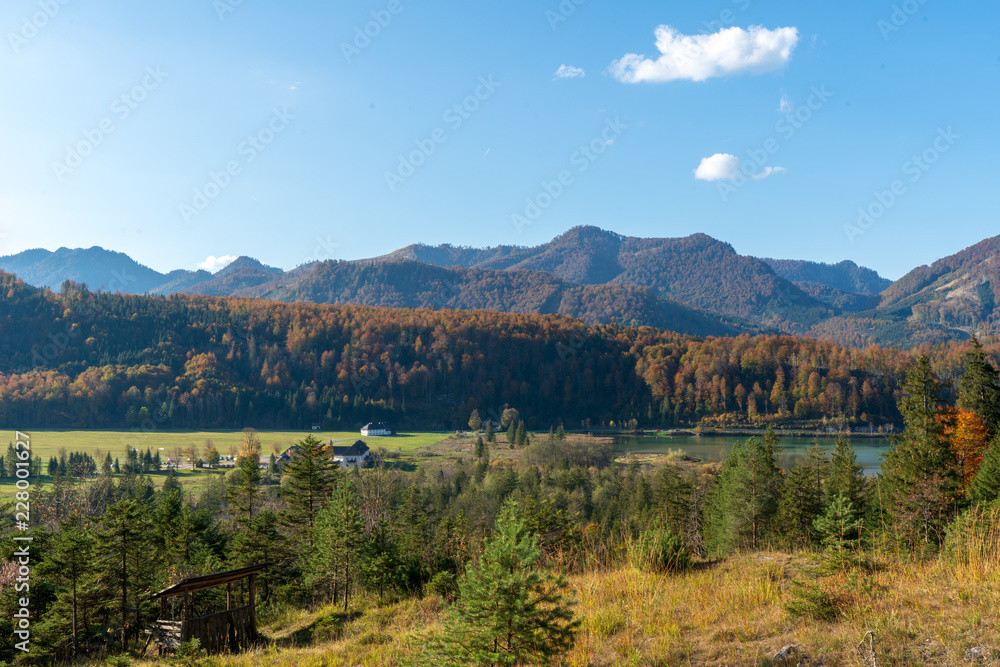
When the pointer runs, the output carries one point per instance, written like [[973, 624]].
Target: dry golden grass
[[732, 612], [727, 613]]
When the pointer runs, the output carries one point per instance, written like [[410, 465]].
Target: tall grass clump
[[660, 550]]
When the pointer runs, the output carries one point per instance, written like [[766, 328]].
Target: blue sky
[[288, 135]]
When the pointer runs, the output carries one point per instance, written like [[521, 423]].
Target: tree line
[[95, 360]]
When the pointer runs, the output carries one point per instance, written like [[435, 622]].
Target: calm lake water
[[716, 448]]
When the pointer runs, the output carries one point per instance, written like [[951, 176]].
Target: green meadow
[[47, 443]]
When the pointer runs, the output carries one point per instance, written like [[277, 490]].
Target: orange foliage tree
[[969, 437]]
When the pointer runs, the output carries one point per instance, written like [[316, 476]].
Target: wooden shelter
[[231, 630]]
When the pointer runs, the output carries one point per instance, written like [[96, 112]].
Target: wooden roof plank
[[193, 584]]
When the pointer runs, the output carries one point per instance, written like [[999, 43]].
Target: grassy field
[[48, 443], [733, 612], [413, 447]]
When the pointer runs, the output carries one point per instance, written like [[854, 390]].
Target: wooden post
[[229, 596], [253, 604], [187, 605], [163, 609]]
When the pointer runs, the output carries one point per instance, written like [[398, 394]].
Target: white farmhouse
[[376, 428], [356, 456]]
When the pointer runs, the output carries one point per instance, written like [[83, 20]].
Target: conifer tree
[[125, 560], [846, 476], [490, 435], [69, 564], [307, 480], [743, 501], [985, 487], [338, 541], [839, 528], [979, 387], [799, 506], [919, 470], [510, 610]]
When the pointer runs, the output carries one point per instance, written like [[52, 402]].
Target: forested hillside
[[99, 360]]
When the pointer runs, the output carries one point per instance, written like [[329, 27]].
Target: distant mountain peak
[[244, 263]]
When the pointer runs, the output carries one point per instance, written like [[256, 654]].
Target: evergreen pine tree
[[244, 494], [307, 480], [979, 387], [985, 487], [846, 476], [490, 435], [839, 528], [69, 564], [510, 610], [742, 504], [125, 561], [479, 449], [520, 435], [799, 506], [338, 540], [919, 469]]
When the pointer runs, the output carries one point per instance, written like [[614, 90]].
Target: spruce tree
[[839, 528], [125, 561], [339, 534], [244, 494], [919, 469], [742, 504], [979, 387], [799, 506], [985, 487], [846, 476], [490, 435], [307, 480], [69, 564], [510, 610]]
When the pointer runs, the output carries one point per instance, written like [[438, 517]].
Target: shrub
[[444, 584], [660, 550]]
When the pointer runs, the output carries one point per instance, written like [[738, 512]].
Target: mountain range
[[695, 284]]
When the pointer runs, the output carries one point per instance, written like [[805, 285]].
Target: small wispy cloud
[[730, 51], [213, 264], [726, 167], [569, 72]]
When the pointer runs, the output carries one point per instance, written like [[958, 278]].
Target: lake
[[717, 447]]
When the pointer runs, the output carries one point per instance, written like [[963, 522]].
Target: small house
[[356, 456], [316, 426], [376, 428]]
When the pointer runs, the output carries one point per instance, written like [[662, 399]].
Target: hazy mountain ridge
[[694, 284], [845, 276]]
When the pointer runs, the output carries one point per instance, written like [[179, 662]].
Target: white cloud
[[699, 57], [785, 105], [213, 264], [726, 167], [569, 72]]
